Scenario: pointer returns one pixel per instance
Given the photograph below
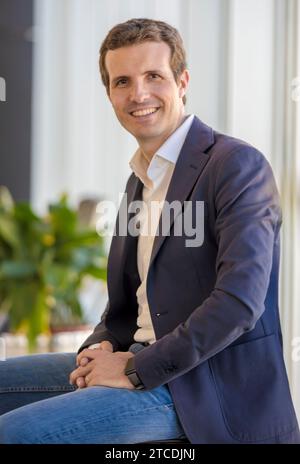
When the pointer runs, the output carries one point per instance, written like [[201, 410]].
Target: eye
[[154, 76], [121, 82]]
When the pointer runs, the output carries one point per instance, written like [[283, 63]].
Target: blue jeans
[[38, 405]]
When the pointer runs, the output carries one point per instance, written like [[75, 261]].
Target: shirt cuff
[[94, 346]]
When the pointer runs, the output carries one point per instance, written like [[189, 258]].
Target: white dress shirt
[[156, 177]]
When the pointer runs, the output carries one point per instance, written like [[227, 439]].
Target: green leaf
[[38, 321], [24, 213], [63, 219], [6, 200], [17, 270], [9, 231], [96, 272], [59, 277], [23, 296]]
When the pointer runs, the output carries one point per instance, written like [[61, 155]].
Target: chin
[[146, 134]]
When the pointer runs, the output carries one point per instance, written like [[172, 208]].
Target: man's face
[[144, 94]]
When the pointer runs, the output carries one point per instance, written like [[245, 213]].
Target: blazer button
[[157, 314]]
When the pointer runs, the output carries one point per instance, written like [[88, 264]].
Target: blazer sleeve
[[100, 334], [248, 217]]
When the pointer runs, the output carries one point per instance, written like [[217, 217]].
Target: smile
[[145, 112]]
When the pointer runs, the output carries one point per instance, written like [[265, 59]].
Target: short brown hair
[[135, 31]]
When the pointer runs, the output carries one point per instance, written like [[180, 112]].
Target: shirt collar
[[171, 148], [169, 151]]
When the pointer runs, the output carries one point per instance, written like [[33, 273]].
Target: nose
[[139, 92]]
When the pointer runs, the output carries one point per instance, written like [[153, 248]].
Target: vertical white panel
[[295, 94], [205, 48], [48, 164], [251, 49]]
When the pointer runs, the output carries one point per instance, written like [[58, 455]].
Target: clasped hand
[[101, 366]]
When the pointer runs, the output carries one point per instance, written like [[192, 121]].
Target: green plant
[[42, 263]]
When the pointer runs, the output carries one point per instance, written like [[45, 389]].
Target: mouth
[[146, 112]]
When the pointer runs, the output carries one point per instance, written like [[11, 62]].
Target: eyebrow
[[152, 71]]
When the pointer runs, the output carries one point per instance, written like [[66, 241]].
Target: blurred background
[[58, 133]]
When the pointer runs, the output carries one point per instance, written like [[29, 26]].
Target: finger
[[106, 346], [80, 382], [124, 354], [80, 372], [84, 362], [88, 380], [89, 354]]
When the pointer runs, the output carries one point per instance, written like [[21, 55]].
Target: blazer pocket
[[253, 390]]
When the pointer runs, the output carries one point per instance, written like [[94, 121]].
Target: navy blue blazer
[[214, 307]]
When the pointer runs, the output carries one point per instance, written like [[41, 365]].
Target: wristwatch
[[132, 374]]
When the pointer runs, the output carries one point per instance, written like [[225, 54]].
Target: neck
[[150, 147]]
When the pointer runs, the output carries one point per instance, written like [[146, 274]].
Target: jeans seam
[[35, 389]]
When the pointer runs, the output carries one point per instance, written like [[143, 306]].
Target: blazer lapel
[[124, 243], [189, 166]]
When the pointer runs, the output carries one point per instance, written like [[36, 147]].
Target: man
[[190, 343]]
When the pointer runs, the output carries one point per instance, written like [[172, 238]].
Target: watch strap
[[133, 375]]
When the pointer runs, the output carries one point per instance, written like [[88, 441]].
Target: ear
[[183, 83]]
